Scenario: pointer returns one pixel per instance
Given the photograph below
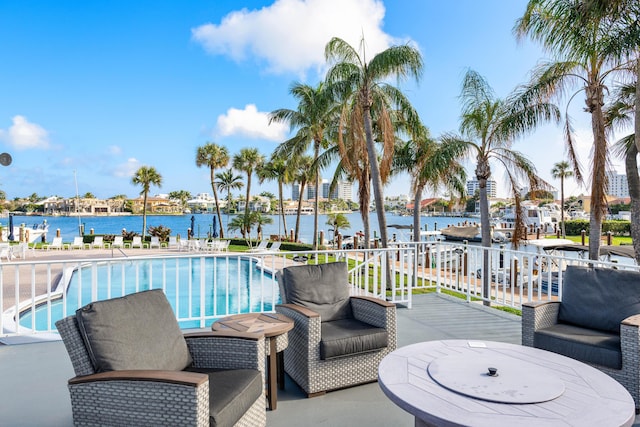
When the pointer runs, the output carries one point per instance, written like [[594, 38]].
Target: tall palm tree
[[227, 181], [302, 174], [276, 169], [146, 176], [363, 87], [247, 161], [317, 111], [214, 157], [561, 170], [488, 128], [432, 164], [579, 38]]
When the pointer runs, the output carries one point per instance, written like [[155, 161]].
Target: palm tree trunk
[[486, 238], [598, 184], [215, 197], [316, 203], [246, 208], [144, 215], [375, 178], [284, 217], [631, 165], [638, 105], [302, 185], [417, 196], [562, 229]]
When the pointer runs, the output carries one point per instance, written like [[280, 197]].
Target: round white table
[[448, 383]]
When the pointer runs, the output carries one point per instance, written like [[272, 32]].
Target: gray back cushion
[[599, 298], [137, 331], [322, 288]]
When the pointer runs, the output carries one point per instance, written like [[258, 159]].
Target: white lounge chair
[[56, 243], [118, 242], [275, 247], [155, 242], [98, 242], [78, 243], [262, 246], [173, 243], [20, 250], [223, 245], [137, 242], [6, 251]]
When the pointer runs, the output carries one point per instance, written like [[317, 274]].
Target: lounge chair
[[223, 245], [173, 243], [98, 242], [262, 246], [56, 243], [137, 242], [78, 243], [5, 251], [275, 247], [338, 341], [155, 242], [118, 242], [134, 366]]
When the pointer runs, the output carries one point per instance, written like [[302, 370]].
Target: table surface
[[589, 397], [270, 324]]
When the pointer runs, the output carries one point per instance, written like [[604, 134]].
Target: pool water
[[195, 289]]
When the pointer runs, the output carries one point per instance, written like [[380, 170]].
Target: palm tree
[[214, 157], [586, 55], [432, 164], [302, 174], [248, 160], [182, 195], [146, 176], [227, 181], [276, 169], [488, 128], [561, 171], [317, 111], [337, 221], [364, 92]]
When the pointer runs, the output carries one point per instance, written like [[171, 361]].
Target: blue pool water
[[217, 287]]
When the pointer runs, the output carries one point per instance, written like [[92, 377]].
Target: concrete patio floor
[[33, 377]]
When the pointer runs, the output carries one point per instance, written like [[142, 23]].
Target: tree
[[337, 221], [303, 173], [214, 157], [88, 195], [579, 34], [561, 171], [182, 195], [276, 169], [362, 87], [227, 181], [247, 160], [146, 176], [488, 127], [317, 111]]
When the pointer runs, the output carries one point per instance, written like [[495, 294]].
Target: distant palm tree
[[146, 176], [214, 157], [561, 171], [248, 160], [302, 174], [488, 128], [276, 169], [365, 93], [317, 111], [227, 181], [182, 195], [585, 44], [337, 221]]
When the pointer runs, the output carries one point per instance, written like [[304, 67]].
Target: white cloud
[[250, 123], [127, 169], [114, 150], [23, 135], [290, 35]]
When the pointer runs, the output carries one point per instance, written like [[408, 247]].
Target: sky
[[91, 91]]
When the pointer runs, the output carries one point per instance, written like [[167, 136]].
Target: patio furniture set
[[325, 339]]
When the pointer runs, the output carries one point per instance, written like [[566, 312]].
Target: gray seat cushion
[[350, 336], [587, 345], [137, 331], [231, 393], [599, 298], [322, 288]]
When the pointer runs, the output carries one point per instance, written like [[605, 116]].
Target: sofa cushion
[[599, 298], [587, 345], [322, 288], [137, 331], [350, 336], [231, 393]]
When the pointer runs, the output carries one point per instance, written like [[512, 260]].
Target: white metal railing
[[205, 286]]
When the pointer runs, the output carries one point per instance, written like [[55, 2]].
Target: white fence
[[204, 286]]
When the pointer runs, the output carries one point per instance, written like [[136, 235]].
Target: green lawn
[[616, 240]]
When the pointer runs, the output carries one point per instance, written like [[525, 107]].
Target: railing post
[[582, 236]]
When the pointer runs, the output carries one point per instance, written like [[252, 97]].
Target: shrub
[[161, 232]]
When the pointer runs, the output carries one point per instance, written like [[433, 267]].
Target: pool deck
[[33, 377]]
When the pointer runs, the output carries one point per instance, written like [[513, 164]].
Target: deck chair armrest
[[378, 313], [227, 350], [306, 330], [302, 311], [538, 315], [140, 398]]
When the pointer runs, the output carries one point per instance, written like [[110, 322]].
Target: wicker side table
[[275, 328]]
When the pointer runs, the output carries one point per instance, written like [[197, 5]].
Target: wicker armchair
[[597, 322], [338, 341], [222, 384]]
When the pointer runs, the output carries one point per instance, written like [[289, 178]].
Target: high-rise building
[[474, 185], [295, 192], [617, 185], [344, 190]]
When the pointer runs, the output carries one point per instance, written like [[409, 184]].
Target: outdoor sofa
[[134, 366], [597, 322]]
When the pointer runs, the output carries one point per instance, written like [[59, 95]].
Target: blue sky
[[102, 88]]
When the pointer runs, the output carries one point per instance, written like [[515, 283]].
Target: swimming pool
[[199, 289]]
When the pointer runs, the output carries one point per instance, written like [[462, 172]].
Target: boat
[[544, 217], [470, 233], [31, 234]]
